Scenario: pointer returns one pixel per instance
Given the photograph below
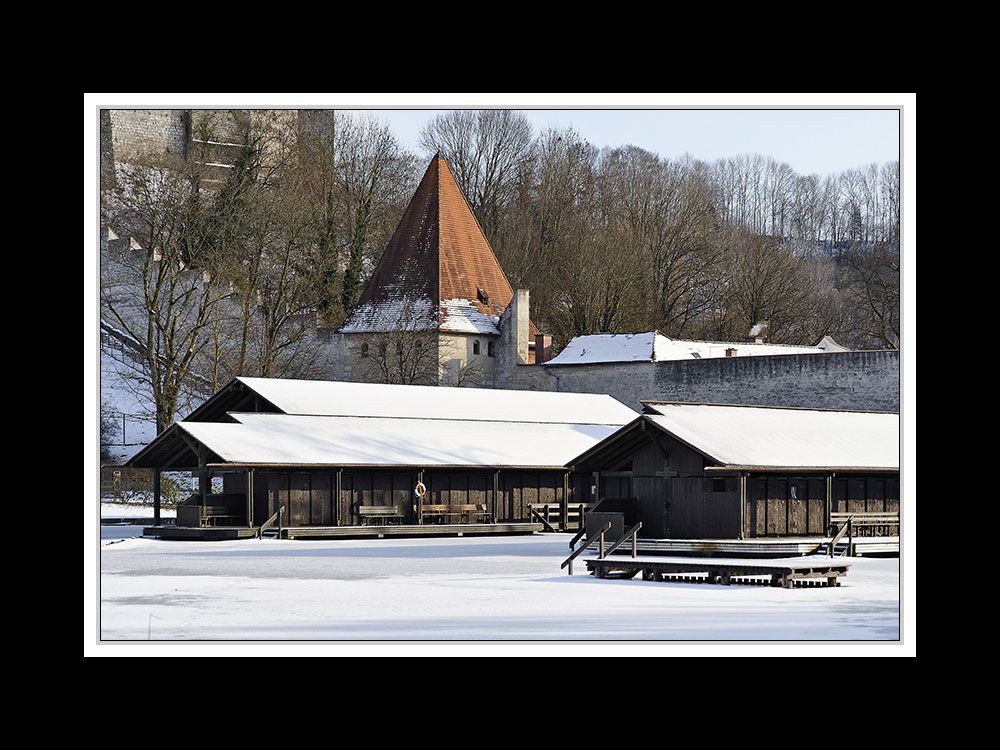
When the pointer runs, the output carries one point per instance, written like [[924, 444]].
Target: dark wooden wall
[[691, 501], [674, 505], [789, 505], [858, 493], [785, 506], [704, 507], [309, 497]]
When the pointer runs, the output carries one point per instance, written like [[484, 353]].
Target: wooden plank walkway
[[347, 532], [762, 547], [726, 572]]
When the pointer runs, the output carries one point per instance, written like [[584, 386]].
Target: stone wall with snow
[[837, 380]]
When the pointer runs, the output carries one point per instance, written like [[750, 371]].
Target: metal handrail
[[599, 534], [267, 524]]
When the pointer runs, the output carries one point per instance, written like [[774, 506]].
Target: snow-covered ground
[[133, 510], [459, 592]]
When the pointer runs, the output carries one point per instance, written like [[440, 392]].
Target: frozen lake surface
[[458, 591]]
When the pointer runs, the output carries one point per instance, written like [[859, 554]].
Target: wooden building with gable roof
[[337, 454], [711, 471]]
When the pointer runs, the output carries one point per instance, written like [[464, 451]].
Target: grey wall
[[841, 380]]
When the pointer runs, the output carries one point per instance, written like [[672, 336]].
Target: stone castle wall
[[866, 381]]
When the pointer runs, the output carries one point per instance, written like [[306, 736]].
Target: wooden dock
[[787, 574], [767, 547], [215, 533]]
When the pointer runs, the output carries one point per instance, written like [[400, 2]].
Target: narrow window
[[491, 348], [475, 346], [364, 350]]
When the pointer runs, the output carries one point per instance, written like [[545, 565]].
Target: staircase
[[839, 549]]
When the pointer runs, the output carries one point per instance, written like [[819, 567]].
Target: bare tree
[[484, 149], [358, 178], [875, 288], [148, 289], [762, 281], [663, 210]]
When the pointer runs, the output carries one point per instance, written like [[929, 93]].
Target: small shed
[[710, 471], [334, 453]]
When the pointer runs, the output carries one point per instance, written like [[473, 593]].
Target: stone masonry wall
[[866, 381], [147, 132]]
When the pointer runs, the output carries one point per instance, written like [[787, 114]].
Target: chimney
[[543, 348], [520, 303], [514, 330], [758, 333]]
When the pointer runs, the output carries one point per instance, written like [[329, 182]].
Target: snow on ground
[[467, 590], [134, 510]]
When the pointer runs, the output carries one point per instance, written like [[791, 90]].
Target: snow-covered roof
[[462, 316], [769, 437], [279, 439], [653, 346], [335, 398], [402, 314]]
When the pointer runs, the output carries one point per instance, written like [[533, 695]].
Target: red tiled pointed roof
[[437, 262]]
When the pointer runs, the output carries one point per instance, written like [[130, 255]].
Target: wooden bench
[[550, 514], [378, 512], [885, 522], [462, 513], [217, 515]]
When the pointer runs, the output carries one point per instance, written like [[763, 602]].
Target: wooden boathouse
[[324, 458], [721, 472]]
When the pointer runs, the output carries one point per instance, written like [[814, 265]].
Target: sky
[[810, 141], [813, 133]]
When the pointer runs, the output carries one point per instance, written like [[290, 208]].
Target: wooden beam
[[420, 500], [336, 501], [565, 501], [156, 496], [249, 497], [496, 493]]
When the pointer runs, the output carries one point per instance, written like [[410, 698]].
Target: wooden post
[[420, 500], [828, 506], [565, 501], [156, 496], [249, 497], [337, 499], [202, 477], [496, 492]]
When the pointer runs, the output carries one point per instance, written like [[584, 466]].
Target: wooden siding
[[785, 506], [310, 497], [861, 494], [704, 507], [680, 495]]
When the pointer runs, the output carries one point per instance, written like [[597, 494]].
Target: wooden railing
[[885, 522], [551, 514], [840, 535], [270, 522], [597, 535], [633, 533]]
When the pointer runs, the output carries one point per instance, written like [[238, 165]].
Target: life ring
[[420, 490]]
